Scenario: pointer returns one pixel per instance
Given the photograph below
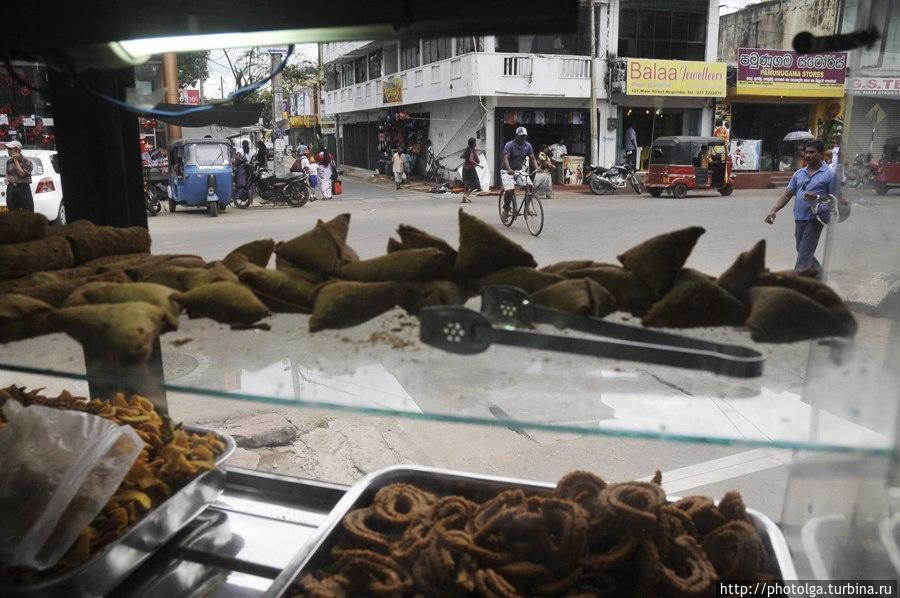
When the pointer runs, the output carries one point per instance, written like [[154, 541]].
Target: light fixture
[[137, 51]]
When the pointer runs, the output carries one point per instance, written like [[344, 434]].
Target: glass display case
[[811, 442]]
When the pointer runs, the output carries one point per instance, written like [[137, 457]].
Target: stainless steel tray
[[317, 551], [111, 565]]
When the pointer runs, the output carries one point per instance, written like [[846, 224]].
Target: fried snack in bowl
[[171, 458]]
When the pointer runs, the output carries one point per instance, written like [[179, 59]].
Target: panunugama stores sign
[[786, 73], [649, 77]]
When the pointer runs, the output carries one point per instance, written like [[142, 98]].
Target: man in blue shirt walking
[[805, 187]]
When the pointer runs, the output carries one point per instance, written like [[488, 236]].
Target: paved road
[[382, 365]]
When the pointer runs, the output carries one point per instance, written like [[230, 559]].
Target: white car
[[46, 184]]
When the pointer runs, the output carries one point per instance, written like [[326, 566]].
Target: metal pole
[[594, 152], [317, 98], [170, 81], [276, 107]]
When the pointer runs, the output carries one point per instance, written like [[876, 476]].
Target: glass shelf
[[382, 369]]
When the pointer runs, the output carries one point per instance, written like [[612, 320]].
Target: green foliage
[[193, 68]]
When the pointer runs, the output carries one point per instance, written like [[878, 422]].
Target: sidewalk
[[417, 184]]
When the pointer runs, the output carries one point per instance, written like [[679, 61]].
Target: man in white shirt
[[557, 151]]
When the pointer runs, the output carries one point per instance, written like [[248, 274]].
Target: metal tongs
[[505, 310]]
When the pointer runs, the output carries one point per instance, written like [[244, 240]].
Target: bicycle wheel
[[534, 214], [511, 214]]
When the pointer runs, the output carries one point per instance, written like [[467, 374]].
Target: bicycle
[[531, 208]]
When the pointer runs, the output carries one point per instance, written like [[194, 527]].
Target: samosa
[[105, 292], [482, 249], [23, 317], [279, 291], [407, 265], [696, 303], [225, 302], [579, 296], [257, 252], [658, 260], [632, 295], [745, 272], [343, 304], [523, 277], [783, 315]]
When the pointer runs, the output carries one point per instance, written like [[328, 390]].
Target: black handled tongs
[[505, 310]]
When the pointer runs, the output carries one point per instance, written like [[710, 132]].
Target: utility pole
[[276, 106], [317, 99], [221, 87], [170, 81], [593, 36]]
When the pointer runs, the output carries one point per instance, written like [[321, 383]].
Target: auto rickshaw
[[887, 170], [200, 174], [681, 163]]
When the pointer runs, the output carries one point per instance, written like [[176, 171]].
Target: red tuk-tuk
[[681, 163], [887, 171]]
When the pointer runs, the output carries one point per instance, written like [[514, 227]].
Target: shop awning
[[227, 115]]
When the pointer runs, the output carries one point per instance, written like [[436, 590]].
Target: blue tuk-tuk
[[200, 174]]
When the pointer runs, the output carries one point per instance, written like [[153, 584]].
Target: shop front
[[368, 139], [778, 92], [661, 98], [873, 115], [547, 126]]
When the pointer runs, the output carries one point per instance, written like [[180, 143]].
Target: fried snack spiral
[[582, 487], [401, 504], [685, 571], [358, 524], [333, 586], [703, 512], [442, 569], [491, 584], [735, 551], [452, 512], [671, 523], [563, 533], [416, 537], [732, 507], [507, 500], [372, 574], [633, 505]]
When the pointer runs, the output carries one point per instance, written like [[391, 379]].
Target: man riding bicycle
[[514, 155]]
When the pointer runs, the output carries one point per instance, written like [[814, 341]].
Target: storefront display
[[745, 154], [545, 127]]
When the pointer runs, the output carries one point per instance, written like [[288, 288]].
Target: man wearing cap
[[18, 179], [514, 155]]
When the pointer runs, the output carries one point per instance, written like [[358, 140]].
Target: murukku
[[358, 525], [732, 507], [702, 511], [372, 574], [463, 542], [611, 554], [416, 537], [582, 487], [687, 570], [491, 584], [401, 504], [563, 535], [441, 569], [452, 512], [735, 550], [633, 505], [671, 522], [333, 586], [505, 500]]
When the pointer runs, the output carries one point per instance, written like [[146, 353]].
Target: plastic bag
[[58, 469]]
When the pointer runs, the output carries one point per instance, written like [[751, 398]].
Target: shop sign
[[189, 96], [649, 77], [302, 121], [770, 72], [874, 86], [392, 90]]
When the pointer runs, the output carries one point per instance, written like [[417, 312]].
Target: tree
[[193, 67], [300, 75], [247, 68]]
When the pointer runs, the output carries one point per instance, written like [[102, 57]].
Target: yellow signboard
[[651, 77], [392, 90], [302, 121]]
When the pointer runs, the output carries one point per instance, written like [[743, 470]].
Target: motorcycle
[[861, 173], [603, 180], [153, 197], [292, 190]]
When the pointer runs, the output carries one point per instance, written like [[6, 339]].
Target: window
[[359, 69], [375, 65], [390, 65], [464, 45], [435, 49], [409, 54], [346, 74], [332, 80], [207, 154], [663, 29]]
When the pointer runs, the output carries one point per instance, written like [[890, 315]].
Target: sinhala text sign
[[651, 77], [785, 73]]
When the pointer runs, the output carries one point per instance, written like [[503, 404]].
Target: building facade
[[406, 93]]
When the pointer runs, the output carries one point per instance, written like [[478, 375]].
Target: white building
[[448, 90]]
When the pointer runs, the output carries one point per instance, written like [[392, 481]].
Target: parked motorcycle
[[292, 189], [153, 196], [861, 173], [606, 179]]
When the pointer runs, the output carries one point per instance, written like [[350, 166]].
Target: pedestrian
[[326, 171], [397, 167], [261, 157], [836, 163], [18, 179], [806, 186], [429, 156], [471, 162], [543, 179], [631, 145], [557, 151], [245, 146], [302, 148]]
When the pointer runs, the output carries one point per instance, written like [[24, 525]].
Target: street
[[382, 366]]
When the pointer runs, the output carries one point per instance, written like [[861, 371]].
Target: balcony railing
[[480, 73]]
